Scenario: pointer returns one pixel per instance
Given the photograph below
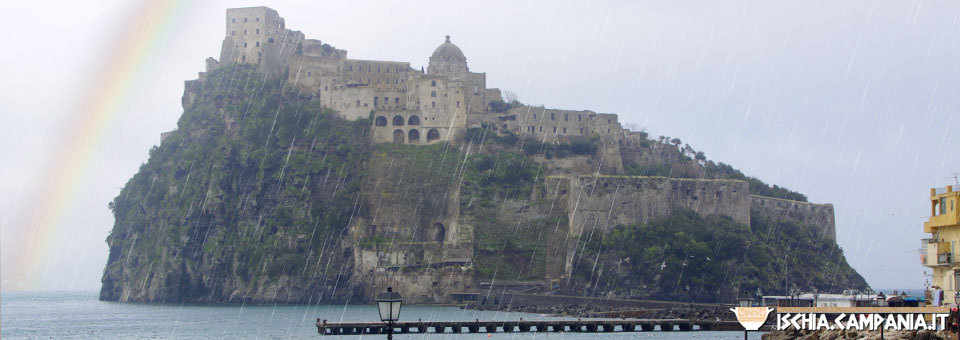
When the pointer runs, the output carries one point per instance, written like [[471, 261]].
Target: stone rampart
[[805, 214], [603, 202]]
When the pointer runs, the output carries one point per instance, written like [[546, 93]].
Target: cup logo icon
[[751, 318]]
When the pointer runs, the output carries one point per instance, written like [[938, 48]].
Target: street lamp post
[[881, 302], [389, 305], [795, 294], [816, 295], [744, 301]]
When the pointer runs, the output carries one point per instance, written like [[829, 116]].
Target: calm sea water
[[79, 315]]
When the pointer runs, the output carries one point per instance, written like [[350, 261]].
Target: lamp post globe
[[388, 303]]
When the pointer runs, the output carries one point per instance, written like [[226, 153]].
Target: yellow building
[[940, 251]]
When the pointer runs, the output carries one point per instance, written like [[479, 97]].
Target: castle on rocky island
[[439, 104], [408, 105]]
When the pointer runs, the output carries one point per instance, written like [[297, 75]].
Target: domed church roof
[[447, 59], [448, 51]]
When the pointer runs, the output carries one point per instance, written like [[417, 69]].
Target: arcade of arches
[[397, 120], [409, 136]]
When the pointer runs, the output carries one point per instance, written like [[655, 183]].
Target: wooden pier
[[506, 326]]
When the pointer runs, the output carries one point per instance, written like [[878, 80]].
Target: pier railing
[[507, 326]]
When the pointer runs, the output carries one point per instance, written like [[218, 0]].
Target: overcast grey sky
[[852, 103]]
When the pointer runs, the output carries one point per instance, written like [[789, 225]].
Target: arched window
[[398, 120], [398, 136], [414, 120], [433, 135], [381, 121], [413, 136]]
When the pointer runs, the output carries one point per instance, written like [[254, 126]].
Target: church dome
[[447, 59], [448, 51]]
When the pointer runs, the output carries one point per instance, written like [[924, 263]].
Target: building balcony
[[936, 253], [944, 209], [940, 221]]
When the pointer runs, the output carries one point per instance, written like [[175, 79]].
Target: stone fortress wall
[[602, 202], [551, 124], [411, 106], [605, 201], [811, 215]]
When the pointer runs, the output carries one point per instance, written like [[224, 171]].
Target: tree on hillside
[[510, 96]]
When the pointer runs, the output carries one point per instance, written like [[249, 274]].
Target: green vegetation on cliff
[[662, 159], [669, 160], [514, 230], [490, 180], [240, 202], [757, 187], [686, 257]]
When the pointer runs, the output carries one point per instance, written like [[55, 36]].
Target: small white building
[[849, 299], [831, 300]]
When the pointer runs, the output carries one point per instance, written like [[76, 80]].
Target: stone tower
[[258, 35]]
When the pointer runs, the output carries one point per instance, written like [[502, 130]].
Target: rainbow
[[123, 73]]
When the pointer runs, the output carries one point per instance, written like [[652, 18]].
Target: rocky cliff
[[248, 200], [264, 195]]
